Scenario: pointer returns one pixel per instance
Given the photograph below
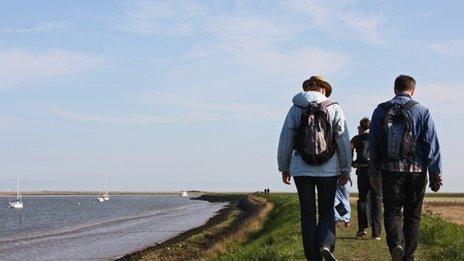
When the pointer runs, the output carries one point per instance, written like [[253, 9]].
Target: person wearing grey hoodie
[[318, 233]]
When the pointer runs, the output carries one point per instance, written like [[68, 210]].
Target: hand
[[376, 182], [436, 182], [343, 179], [286, 177]]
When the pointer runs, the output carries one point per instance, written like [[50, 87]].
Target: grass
[[445, 240], [280, 238], [267, 227]]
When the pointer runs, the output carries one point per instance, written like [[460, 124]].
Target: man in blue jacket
[[403, 144], [318, 234]]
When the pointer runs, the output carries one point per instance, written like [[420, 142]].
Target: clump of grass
[[446, 239]]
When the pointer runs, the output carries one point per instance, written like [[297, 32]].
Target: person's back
[[369, 204], [403, 145], [314, 149]]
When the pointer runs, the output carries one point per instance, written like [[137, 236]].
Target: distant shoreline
[[91, 193]]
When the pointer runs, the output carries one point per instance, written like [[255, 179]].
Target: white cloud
[[40, 27], [182, 108], [451, 48], [442, 97], [160, 17], [21, 66]]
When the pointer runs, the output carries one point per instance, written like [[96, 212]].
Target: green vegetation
[[446, 240], [280, 239], [267, 227]]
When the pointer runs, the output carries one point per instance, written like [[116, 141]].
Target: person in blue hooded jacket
[[403, 145], [318, 233]]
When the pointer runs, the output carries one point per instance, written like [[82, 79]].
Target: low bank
[[267, 227], [243, 214]]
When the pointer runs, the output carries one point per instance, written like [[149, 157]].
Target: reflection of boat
[[183, 194], [104, 196], [18, 203]]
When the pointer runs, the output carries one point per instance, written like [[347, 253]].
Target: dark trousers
[[369, 203], [403, 190], [317, 234]]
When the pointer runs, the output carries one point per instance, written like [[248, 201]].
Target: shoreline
[[237, 215]]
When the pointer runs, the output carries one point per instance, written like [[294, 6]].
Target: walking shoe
[[361, 233], [378, 238], [327, 255], [397, 253]]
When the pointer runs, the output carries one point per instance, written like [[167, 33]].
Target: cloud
[[160, 17], [451, 48], [345, 19], [181, 108], [40, 27], [108, 119], [442, 98], [20, 66]]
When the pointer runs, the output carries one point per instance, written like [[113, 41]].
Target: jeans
[[369, 203], [342, 195], [317, 234], [403, 190]]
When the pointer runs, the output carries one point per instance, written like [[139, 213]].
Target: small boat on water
[[104, 196], [18, 203], [183, 194]]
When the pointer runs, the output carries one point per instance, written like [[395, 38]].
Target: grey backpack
[[396, 136], [314, 136]]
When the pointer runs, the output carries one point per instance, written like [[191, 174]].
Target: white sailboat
[[183, 193], [18, 203], [104, 196]]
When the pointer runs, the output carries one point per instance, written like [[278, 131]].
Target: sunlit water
[[80, 228]]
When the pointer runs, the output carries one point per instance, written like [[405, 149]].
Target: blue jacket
[[427, 154], [289, 160]]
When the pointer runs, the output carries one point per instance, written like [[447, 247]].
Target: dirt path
[[453, 212]]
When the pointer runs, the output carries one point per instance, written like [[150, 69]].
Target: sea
[[81, 228]]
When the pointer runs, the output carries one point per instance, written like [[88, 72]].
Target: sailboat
[[183, 193], [104, 196], [18, 203]]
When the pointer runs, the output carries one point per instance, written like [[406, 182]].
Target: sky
[[172, 95]]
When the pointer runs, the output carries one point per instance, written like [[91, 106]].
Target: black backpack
[[362, 149], [314, 135], [397, 140]]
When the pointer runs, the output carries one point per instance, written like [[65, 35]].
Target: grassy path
[[279, 239], [268, 228]]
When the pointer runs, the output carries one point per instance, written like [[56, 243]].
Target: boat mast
[[18, 196]]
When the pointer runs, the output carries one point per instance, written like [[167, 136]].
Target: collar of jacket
[[404, 95]]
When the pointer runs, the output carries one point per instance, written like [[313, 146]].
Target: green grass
[[280, 238], [445, 240]]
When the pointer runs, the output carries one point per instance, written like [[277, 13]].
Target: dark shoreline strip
[[220, 217]]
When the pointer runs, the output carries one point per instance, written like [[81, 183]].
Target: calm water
[[80, 228]]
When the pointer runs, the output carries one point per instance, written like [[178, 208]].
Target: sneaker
[[397, 253], [361, 233], [327, 255], [378, 238]]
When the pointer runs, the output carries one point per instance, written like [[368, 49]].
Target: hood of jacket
[[303, 99]]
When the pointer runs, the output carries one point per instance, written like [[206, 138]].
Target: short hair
[[310, 85], [365, 123], [405, 83]]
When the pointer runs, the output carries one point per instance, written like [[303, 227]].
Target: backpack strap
[[410, 104], [327, 103]]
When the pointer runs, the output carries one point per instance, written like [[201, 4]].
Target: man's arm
[[431, 145], [287, 140], [432, 152]]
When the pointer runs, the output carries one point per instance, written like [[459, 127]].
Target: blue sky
[[170, 95]]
